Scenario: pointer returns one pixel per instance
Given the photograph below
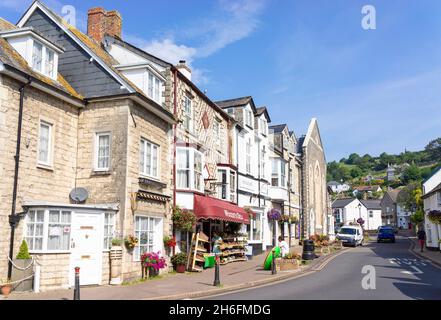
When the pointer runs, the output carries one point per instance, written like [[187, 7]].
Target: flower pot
[[6, 289], [180, 268]]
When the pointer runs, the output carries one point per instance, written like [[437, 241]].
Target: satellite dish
[[79, 194]]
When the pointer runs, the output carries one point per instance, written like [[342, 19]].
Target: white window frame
[[154, 87], [279, 163], [43, 63], [96, 155], [46, 230], [49, 143], [188, 114], [229, 185], [157, 233], [248, 116], [263, 126], [263, 162], [191, 169], [109, 235], [248, 156], [252, 226], [143, 158]]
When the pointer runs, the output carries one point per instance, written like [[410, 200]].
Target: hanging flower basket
[[183, 219], [131, 242], [434, 216], [293, 220], [285, 218], [360, 221], [274, 214]]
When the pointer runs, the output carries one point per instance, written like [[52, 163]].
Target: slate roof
[[236, 102], [341, 203], [10, 57], [278, 128], [393, 194], [263, 110], [372, 204]]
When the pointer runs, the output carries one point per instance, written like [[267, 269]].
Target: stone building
[[316, 214], [85, 128], [250, 156]]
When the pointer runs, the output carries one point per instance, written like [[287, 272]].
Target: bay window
[[278, 175], [149, 158], [149, 231], [227, 184], [102, 152], [190, 163], [48, 230], [45, 143]]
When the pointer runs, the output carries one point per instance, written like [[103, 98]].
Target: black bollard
[[77, 284], [217, 271], [273, 264]]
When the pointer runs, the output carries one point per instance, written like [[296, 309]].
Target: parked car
[[351, 235], [386, 234]]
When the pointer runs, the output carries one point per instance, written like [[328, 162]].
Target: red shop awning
[[212, 208]]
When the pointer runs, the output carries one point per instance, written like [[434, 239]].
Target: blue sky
[[372, 91]]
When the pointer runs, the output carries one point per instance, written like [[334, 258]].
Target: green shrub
[[23, 253], [179, 258]]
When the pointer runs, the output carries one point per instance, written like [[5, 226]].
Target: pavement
[[376, 271], [233, 276], [433, 256]]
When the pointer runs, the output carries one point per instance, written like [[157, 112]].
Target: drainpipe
[[15, 218], [175, 108]]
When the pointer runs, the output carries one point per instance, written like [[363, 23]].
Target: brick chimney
[[101, 22], [184, 69]]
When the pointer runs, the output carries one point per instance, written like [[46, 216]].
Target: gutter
[[15, 218], [38, 84], [175, 110]]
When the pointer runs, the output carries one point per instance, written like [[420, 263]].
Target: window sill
[[49, 252], [46, 167], [101, 173]]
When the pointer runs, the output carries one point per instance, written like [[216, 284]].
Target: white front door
[[87, 247]]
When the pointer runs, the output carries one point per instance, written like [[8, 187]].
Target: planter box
[[287, 264], [18, 274]]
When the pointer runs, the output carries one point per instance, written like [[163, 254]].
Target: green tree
[[411, 173], [356, 172], [410, 197], [23, 253], [434, 149]]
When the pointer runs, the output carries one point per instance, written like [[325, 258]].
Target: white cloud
[[168, 50], [233, 21]]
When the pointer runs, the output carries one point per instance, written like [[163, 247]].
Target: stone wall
[[35, 182]]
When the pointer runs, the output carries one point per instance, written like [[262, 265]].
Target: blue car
[[386, 234]]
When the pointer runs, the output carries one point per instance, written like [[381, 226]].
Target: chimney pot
[[101, 22]]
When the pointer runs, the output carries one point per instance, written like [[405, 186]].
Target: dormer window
[[40, 54], [147, 78], [43, 60], [248, 118]]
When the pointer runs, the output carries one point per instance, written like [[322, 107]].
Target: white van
[[351, 235]]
